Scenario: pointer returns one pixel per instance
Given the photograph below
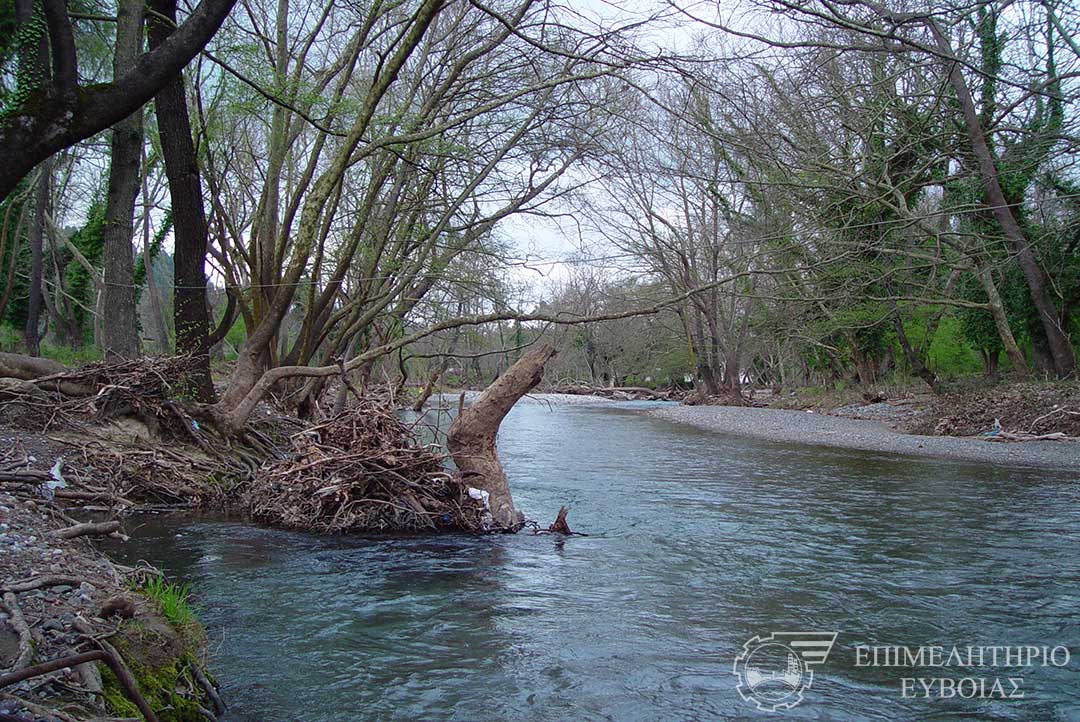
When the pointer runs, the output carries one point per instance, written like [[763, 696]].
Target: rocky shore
[[802, 427], [62, 600]]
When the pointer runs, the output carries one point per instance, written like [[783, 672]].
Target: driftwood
[[1005, 436], [471, 439], [87, 529], [18, 623], [617, 393], [362, 471], [560, 526], [47, 580]]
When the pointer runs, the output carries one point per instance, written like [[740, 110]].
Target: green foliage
[[950, 352], [173, 600], [21, 44], [71, 356], [90, 241], [237, 333], [154, 250]]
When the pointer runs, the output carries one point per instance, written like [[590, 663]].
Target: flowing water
[[697, 543]]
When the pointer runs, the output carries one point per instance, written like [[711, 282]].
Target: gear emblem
[[774, 671]]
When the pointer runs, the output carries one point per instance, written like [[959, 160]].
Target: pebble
[[53, 625], [61, 588]]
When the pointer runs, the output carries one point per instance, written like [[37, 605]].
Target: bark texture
[[473, 433], [120, 336], [191, 318], [36, 237]]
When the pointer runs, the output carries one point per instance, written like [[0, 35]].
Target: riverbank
[[62, 601], [815, 429]]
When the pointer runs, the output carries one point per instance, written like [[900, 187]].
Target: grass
[[174, 600], [11, 342]]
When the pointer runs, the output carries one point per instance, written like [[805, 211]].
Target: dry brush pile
[[135, 442], [363, 471], [1022, 410]]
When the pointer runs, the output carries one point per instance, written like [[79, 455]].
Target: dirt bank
[[802, 427]]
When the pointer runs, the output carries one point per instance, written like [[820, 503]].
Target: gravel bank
[[801, 427]]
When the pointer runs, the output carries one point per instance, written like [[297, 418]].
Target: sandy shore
[[817, 429]]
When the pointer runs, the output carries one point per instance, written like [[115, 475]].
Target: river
[[697, 543]]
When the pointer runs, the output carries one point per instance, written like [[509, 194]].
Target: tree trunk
[[121, 333], [1001, 321], [36, 237], [913, 358], [990, 362], [153, 294], [59, 113], [428, 390], [191, 319], [472, 435], [15, 236], [1038, 284]]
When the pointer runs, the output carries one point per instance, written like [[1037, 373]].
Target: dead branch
[[87, 529], [18, 623], [560, 526], [46, 580]]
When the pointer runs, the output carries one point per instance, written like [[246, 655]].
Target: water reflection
[[698, 542]]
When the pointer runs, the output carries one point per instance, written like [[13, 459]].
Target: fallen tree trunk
[[471, 439], [619, 393], [88, 529], [44, 373], [28, 368]]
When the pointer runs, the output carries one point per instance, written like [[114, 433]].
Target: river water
[[697, 543]]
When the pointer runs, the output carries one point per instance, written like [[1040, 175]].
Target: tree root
[[38, 710], [18, 623], [209, 689], [108, 655]]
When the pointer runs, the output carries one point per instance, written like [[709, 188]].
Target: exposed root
[[107, 655], [47, 580]]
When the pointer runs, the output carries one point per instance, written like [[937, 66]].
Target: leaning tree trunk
[[471, 439], [1037, 280]]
